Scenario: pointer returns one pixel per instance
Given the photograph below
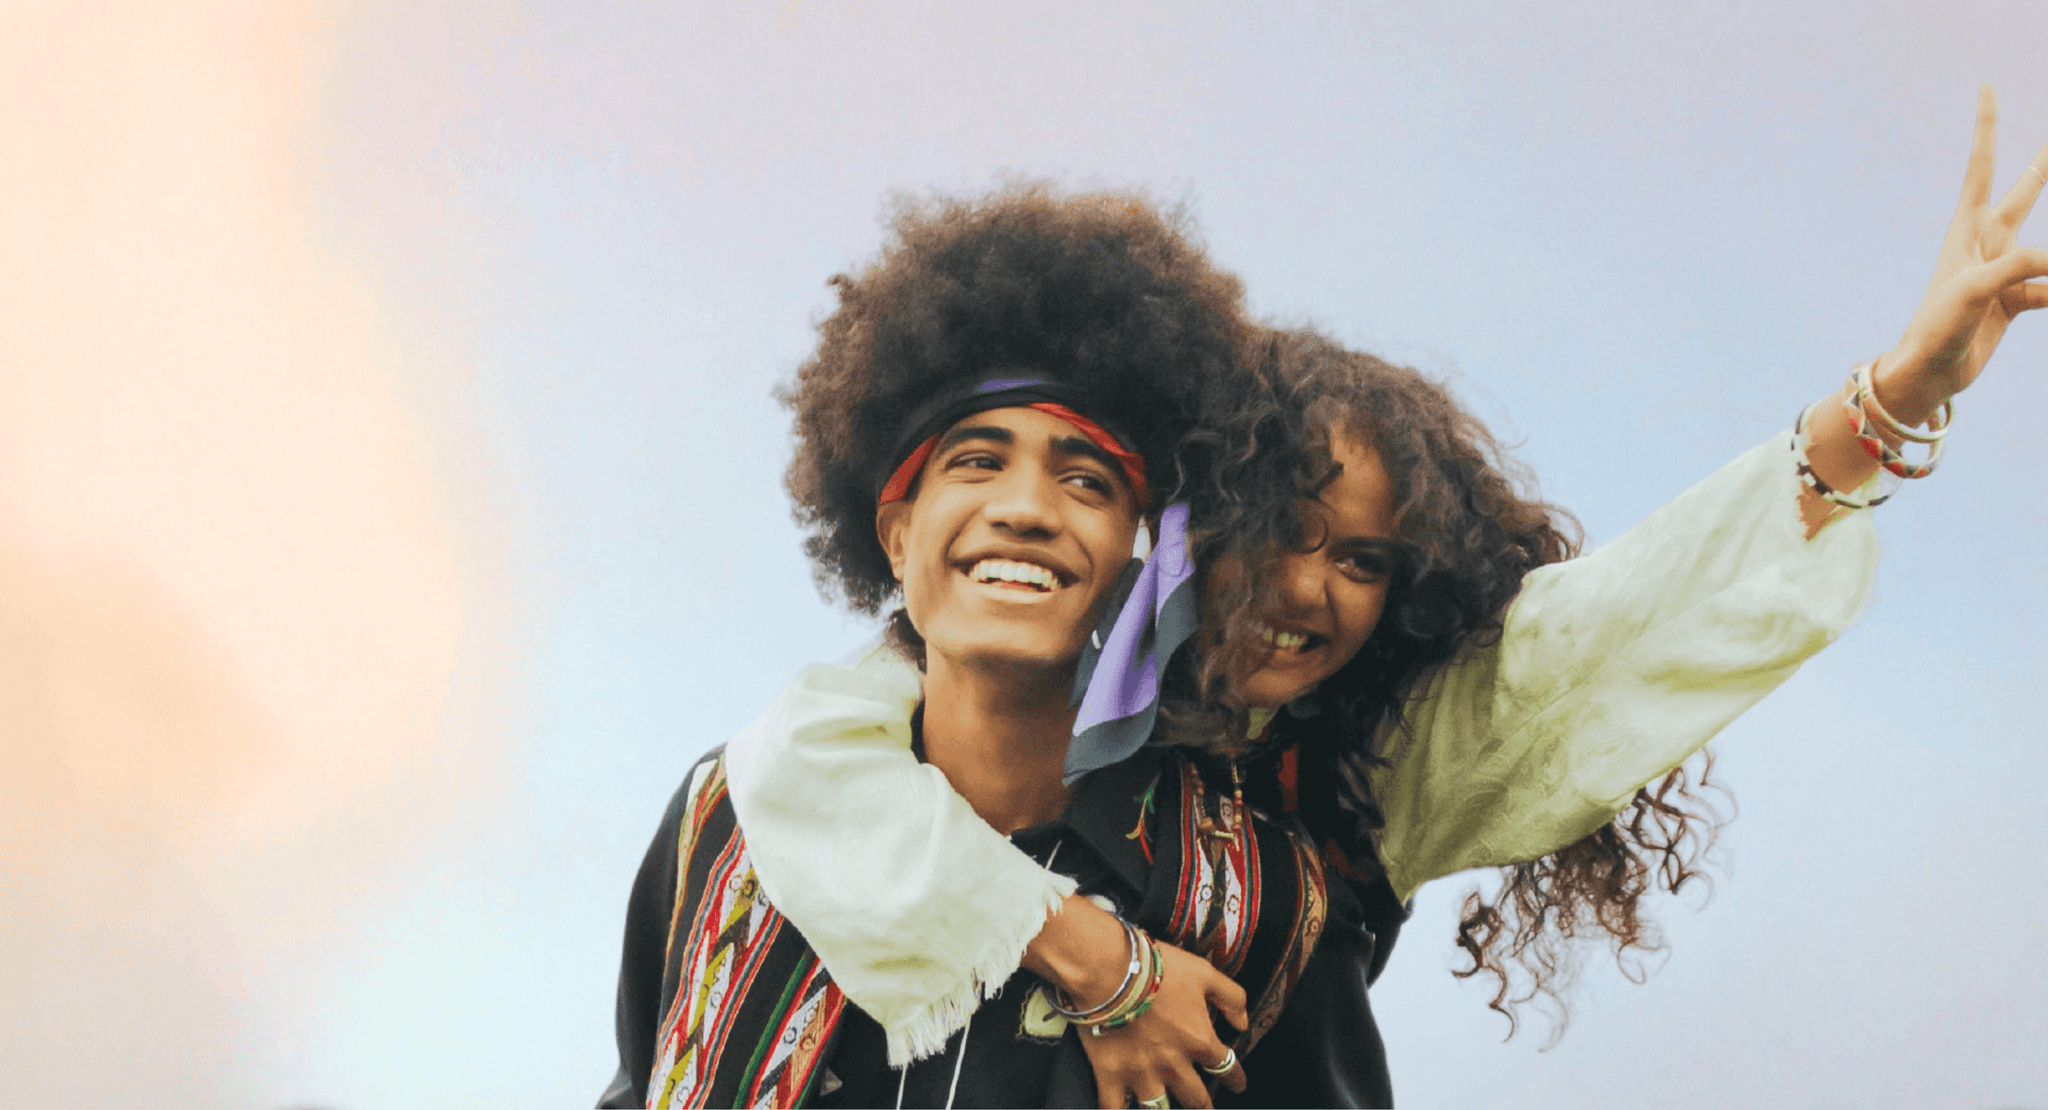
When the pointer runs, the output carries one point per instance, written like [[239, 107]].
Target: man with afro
[[996, 406]]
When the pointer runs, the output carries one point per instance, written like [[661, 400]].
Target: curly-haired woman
[[1460, 693]]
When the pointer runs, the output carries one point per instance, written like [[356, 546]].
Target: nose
[[1298, 581], [1025, 501]]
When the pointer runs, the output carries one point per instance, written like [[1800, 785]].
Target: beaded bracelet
[[1813, 480], [1863, 410], [1143, 1001]]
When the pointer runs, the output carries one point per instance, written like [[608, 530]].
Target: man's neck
[[1000, 737]]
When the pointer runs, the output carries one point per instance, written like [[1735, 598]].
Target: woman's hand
[[1159, 1051], [1980, 283], [1083, 951]]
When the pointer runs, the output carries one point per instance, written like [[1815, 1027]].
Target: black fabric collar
[[1103, 809], [1106, 807]]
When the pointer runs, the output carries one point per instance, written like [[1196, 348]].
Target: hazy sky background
[[390, 503]]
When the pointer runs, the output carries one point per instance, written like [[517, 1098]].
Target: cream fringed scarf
[[924, 909]]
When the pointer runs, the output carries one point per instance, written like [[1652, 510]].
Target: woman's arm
[[913, 902], [1613, 668], [916, 906]]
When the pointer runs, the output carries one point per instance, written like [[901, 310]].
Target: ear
[[892, 521]]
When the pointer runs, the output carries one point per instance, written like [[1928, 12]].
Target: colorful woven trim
[[801, 1027], [1253, 902], [718, 969], [1217, 907], [1311, 911], [754, 1010]]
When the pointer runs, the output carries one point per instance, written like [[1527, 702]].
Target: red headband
[[1133, 465]]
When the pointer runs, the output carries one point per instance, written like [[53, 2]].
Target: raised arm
[[1614, 667], [1980, 283]]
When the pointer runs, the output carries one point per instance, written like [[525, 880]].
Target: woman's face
[[1327, 601]]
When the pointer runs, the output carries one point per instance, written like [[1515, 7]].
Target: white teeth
[[1289, 641], [1004, 570]]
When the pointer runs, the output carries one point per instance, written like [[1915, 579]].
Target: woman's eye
[[1365, 566], [977, 462]]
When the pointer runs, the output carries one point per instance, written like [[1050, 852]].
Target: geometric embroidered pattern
[[753, 1011], [1217, 908]]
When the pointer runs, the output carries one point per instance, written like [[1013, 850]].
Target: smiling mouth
[[1012, 574], [1293, 643]]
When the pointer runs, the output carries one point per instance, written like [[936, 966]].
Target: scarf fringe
[[928, 1031]]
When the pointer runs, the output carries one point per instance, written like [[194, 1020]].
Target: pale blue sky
[[1638, 236]]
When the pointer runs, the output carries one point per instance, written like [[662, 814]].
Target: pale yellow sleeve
[[1616, 666], [917, 907]]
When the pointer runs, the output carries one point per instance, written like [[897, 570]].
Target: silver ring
[[1222, 1067], [1159, 1102], [2037, 173]]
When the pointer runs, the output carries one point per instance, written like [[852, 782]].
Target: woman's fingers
[[1235, 1078], [1218, 990], [2019, 200], [2025, 297], [1164, 1050], [1993, 278], [1109, 1091], [1229, 1000], [1188, 1088], [1983, 152], [1180, 1083]]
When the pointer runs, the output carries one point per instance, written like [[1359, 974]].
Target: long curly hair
[[1103, 291], [1468, 533]]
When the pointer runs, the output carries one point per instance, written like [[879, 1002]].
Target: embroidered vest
[[753, 1010]]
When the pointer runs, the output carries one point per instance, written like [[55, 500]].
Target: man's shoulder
[[702, 796]]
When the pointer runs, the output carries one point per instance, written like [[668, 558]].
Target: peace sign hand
[[1980, 284]]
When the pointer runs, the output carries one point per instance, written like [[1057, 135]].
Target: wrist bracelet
[[1813, 480], [1132, 998], [1062, 1005], [1937, 425], [1862, 408], [1143, 1001]]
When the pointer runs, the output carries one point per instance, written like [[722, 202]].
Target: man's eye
[[977, 462], [1094, 482]]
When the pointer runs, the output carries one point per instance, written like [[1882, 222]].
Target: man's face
[[1018, 531]]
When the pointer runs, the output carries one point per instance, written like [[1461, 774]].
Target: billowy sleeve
[[917, 907], [1614, 667]]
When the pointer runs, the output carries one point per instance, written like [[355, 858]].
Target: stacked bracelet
[[1813, 480], [1868, 418], [1143, 1000], [1863, 411], [1132, 998]]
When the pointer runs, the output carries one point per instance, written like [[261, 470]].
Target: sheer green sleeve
[[1616, 666]]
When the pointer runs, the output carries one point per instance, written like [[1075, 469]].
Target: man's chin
[[1008, 657]]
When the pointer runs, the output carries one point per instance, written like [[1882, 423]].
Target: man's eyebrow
[[977, 431]]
